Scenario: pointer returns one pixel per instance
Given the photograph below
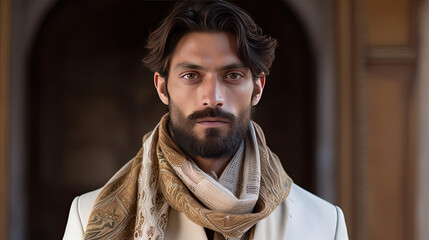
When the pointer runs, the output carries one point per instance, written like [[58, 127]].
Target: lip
[[212, 122]]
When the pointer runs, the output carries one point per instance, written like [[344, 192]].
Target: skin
[[205, 71]]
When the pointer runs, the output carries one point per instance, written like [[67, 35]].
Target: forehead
[[205, 49]]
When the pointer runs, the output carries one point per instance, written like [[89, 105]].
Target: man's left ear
[[259, 87]]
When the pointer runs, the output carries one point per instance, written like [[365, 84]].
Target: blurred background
[[344, 108]]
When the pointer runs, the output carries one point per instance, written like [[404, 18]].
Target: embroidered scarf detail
[[134, 203]]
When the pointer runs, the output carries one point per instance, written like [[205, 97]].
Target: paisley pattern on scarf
[[134, 203]]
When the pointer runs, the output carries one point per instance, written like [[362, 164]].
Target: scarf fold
[[134, 203]]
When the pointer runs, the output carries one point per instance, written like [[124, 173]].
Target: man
[[205, 172]]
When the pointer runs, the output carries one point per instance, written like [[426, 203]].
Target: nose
[[212, 95]]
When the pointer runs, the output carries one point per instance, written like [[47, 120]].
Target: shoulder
[[311, 215], [79, 213], [303, 201]]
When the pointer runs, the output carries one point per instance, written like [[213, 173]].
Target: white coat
[[302, 216]]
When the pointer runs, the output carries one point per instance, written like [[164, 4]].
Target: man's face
[[211, 93]]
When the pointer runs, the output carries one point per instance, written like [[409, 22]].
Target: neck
[[209, 165]]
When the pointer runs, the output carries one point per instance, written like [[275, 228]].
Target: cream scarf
[[134, 203]]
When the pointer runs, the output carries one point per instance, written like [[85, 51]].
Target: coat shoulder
[[79, 214], [309, 214], [303, 200]]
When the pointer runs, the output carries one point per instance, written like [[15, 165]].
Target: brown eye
[[190, 76], [234, 76]]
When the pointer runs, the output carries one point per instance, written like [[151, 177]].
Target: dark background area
[[91, 100]]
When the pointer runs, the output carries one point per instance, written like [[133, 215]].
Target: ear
[[161, 87], [259, 87]]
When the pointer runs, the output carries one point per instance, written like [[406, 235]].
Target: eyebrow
[[188, 65], [233, 66]]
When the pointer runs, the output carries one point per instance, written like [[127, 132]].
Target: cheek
[[181, 96], [242, 96], [178, 117]]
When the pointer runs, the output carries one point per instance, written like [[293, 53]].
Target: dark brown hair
[[255, 48]]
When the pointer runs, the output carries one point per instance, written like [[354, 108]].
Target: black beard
[[213, 145]]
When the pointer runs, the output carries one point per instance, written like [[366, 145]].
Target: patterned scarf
[[134, 204]]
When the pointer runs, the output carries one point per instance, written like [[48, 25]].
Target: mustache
[[212, 112]]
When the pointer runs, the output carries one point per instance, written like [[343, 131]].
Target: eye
[[234, 76], [190, 76]]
